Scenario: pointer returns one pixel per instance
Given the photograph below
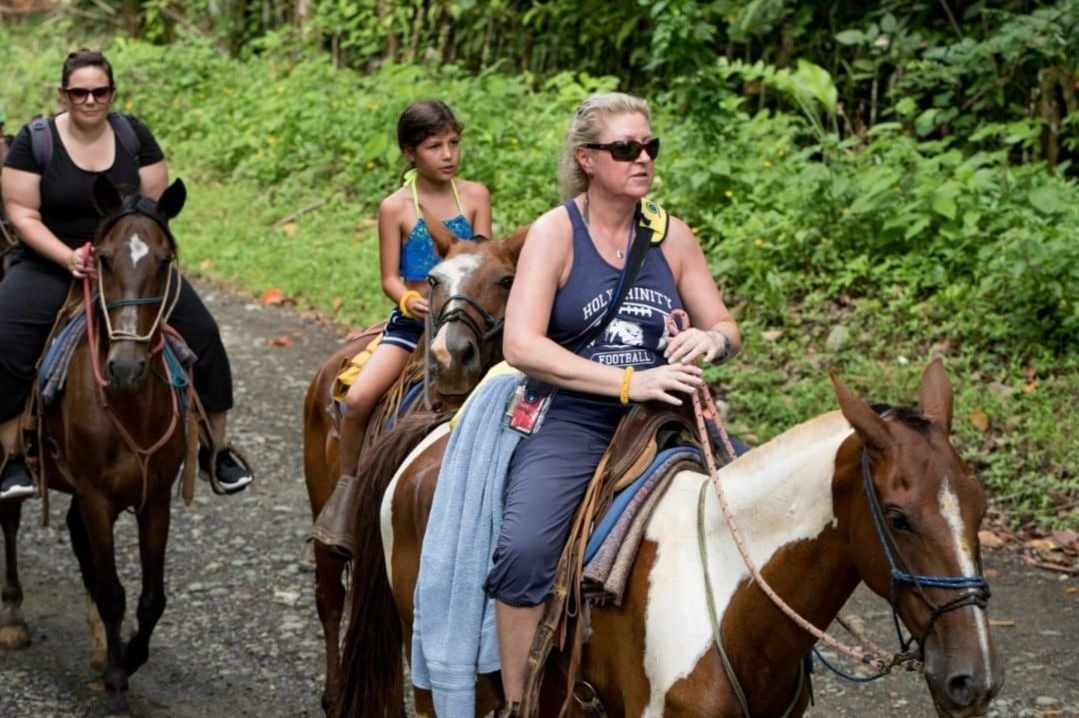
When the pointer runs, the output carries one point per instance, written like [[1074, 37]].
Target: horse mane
[[910, 416], [376, 682]]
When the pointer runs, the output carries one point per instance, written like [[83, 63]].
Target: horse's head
[[137, 280], [915, 514], [467, 303]]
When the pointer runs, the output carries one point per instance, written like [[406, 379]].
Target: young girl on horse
[[430, 138]]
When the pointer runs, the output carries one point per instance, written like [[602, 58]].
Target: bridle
[[174, 374], [977, 595], [455, 309]]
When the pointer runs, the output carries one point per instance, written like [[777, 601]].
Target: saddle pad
[[623, 498], [347, 377]]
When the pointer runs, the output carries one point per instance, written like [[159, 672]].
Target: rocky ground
[[240, 636]]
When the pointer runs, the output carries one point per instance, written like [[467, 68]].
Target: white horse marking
[[453, 272], [139, 249], [386, 510], [964, 554], [781, 493]]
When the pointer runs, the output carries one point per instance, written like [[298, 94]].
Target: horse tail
[[372, 682]]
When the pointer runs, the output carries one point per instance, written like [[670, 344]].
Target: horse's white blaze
[[453, 272], [964, 554], [139, 248], [780, 493], [386, 510]]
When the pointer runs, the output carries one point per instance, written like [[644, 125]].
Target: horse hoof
[[14, 636]]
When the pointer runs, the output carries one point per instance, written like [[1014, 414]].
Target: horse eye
[[432, 281], [105, 260], [506, 282], [897, 520]]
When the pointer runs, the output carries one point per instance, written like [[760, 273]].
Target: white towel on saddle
[[454, 635]]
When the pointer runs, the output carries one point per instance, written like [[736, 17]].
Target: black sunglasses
[[79, 95], [627, 150]]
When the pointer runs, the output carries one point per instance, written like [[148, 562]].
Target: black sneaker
[[16, 482], [231, 474]]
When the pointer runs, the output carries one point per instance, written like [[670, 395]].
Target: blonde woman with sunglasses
[[48, 199], [566, 276]]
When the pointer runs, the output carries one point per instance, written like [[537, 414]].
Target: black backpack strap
[[126, 135], [41, 142], [652, 223]]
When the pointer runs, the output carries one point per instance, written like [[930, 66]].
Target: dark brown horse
[[467, 302], [117, 446], [848, 497]]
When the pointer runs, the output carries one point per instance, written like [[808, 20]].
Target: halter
[[448, 314], [458, 313], [978, 596]]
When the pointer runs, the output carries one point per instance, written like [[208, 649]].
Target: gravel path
[[240, 636]]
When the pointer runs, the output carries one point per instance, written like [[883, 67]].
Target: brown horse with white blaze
[[847, 497], [114, 440], [467, 301]]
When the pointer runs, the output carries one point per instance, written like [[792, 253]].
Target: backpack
[[41, 138]]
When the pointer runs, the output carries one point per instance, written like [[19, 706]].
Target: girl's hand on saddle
[[687, 345], [665, 383]]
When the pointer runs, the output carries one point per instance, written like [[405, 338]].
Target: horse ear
[[107, 198], [935, 395], [172, 199], [440, 233], [515, 241], [866, 422]]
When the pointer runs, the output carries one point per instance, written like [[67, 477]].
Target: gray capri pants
[[548, 475]]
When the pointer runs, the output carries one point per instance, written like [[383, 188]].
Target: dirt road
[[240, 636]]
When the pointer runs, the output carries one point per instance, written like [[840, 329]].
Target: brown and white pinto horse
[[800, 501], [467, 302], [95, 436]]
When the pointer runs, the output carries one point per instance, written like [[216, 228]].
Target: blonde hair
[[585, 127]]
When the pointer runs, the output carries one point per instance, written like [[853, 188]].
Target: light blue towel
[[454, 635]]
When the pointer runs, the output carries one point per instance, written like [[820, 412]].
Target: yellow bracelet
[[623, 395], [403, 304]]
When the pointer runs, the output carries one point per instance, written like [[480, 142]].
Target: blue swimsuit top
[[418, 254]]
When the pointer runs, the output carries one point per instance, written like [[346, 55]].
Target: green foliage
[[911, 241]]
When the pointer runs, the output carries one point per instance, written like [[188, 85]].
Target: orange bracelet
[[623, 395], [403, 304]]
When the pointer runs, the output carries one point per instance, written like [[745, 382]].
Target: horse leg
[[90, 522], [153, 537], [13, 630], [330, 599], [80, 544]]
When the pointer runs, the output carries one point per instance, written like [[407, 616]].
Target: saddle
[[58, 351], [642, 433]]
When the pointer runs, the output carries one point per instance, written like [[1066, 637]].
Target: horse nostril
[[961, 690], [469, 356]]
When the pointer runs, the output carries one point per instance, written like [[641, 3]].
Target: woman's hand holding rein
[[712, 345]]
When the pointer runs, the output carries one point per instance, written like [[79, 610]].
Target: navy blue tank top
[[638, 333]]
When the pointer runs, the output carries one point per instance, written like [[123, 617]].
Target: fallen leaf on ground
[[979, 419], [988, 539], [275, 297], [1071, 590], [336, 304], [289, 228], [1041, 544], [282, 341], [206, 265], [1006, 622], [770, 335]]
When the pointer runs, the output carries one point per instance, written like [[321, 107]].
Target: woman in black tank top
[[46, 187], [571, 259]]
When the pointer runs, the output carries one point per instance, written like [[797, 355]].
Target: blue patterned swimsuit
[[418, 257]]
